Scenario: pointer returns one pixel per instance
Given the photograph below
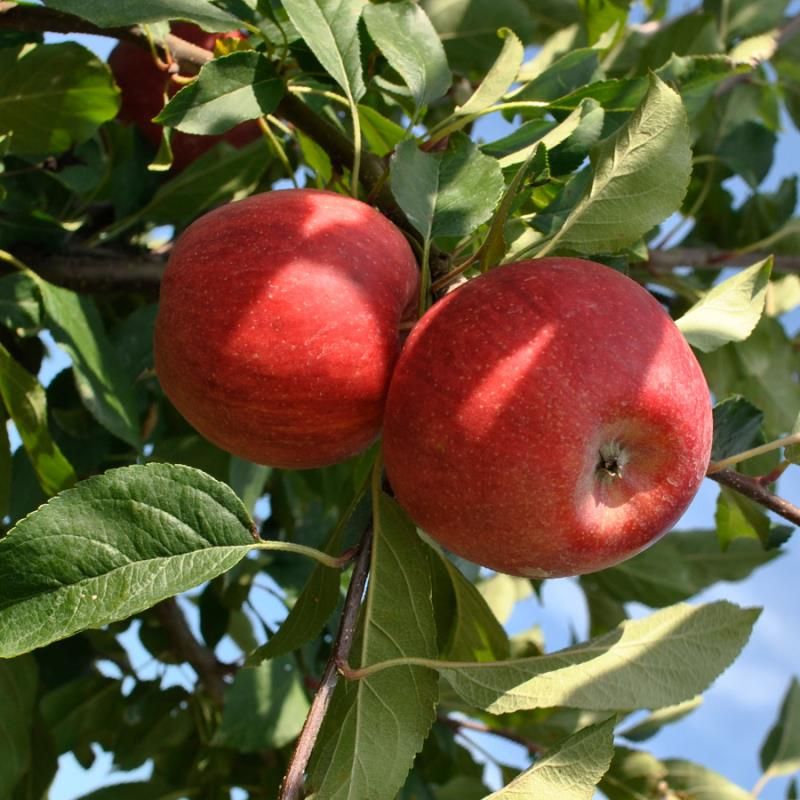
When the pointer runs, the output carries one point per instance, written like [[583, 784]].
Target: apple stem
[[786, 441]]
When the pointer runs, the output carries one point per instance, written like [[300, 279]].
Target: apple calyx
[[611, 462]]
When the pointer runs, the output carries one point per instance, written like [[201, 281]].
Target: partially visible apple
[[278, 326], [143, 86], [547, 419]]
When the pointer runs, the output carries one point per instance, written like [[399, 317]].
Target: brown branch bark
[[38, 19], [293, 781], [703, 258], [458, 725], [95, 270], [755, 490], [203, 661]]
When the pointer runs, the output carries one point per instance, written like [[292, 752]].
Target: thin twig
[[505, 733], [755, 490], [292, 787], [704, 258], [202, 659]]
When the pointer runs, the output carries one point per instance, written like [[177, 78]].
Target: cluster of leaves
[[616, 127]]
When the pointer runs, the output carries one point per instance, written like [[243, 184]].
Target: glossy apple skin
[[277, 329], [142, 85], [547, 419]]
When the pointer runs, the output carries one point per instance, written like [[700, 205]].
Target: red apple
[[277, 330], [143, 85], [547, 419]]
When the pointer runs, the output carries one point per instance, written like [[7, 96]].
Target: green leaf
[[111, 15], [6, 466], [602, 16], [104, 388], [677, 567], [18, 680], [656, 720], [446, 194], [641, 664], [113, 546], [375, 727], [780, 753], [222, 174], [578, 68], [228, 90], [730, 311], [381, 134], [737, 427], [497, 80], [468, 29], [265, 707], [495, 245], [570, 771], [635, 775], [640, 176], [25, 401], [20, 306], [411, 45], [247, 480], [739, 517], [703, 783], [474, 632], [330, 29], [792, 453], [53, 96], [761, 369], [318, 600], [587, 116]]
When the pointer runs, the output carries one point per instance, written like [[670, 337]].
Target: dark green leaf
[[53, 96], [748, 151], [265, 707], [351, 759], [220, 175], [103, 387], [446, 194], [18, 679], [737, 427], [20, 306], [110, 15], [411, 45], [25, 401], [229, 90], [780, 753], [113, 546], [570, 72], [679, 566], [474, 633]]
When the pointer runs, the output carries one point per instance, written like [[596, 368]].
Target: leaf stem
[[292, 786], [786, 441], [334, 562]]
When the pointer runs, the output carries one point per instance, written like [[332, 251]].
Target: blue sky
[[726, 733]]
